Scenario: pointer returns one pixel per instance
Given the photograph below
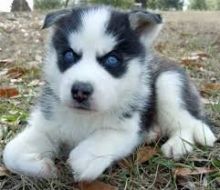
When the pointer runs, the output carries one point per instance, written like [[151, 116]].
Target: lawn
[[190, 38]]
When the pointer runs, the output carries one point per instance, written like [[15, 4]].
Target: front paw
[[182, 141], [177, 146], [87, 165], [31, 164]]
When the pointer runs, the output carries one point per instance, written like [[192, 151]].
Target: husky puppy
[[105, 92]]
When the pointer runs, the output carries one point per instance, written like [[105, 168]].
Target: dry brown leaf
[[190, 58], [4, 61], [200, 54], [95, 185], [209, 88], [212, 86], [8, 92], [145, 153], [197, 56], [125, 163], [3, 171], [193, 59], [160, 47], [183, 172], [16, 72], [191, 63], [35, 82]]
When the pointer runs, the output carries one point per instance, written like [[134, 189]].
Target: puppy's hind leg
[[179, 114], [31, 152]]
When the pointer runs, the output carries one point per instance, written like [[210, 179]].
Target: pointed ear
[[147, 25], [53, 17]]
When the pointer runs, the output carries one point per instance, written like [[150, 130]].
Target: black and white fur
[[128, 103]]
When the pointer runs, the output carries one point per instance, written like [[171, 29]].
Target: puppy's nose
[[81, 91]]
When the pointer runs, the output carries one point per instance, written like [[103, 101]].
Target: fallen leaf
[[200, 54], [160, 47], [13, 81], [125, 163], [191, 63], [3, 171], [4, 61], [35, 82], [16, 72], [190, 58], [210, 87], [209, 101], [183, 172], [95, 185], [213, 79], [194, 59], [145, 153], [8, 92]]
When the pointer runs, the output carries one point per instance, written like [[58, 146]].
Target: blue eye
[[111, 61], [69, 57]]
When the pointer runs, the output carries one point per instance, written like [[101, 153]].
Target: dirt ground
[[191, 38]]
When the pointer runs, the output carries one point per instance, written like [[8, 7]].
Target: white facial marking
[[92, 38]]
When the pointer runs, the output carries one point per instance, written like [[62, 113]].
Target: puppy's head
[[97, 56]]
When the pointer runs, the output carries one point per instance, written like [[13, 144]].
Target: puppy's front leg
[[31, 151], [92, 156]]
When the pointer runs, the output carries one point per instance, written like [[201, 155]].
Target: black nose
[[81, 91]]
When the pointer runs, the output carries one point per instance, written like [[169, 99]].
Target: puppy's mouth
[[81, 107]]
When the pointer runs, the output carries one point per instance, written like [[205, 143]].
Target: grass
[[183, 33]]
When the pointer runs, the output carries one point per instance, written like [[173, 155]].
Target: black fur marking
[[148, 116], [116, 71], [127, 115], [65, 26], [128, 45], [47, 101], [131, 110], [190, 99]]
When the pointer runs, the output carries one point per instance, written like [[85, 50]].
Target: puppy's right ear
[[53, 17]]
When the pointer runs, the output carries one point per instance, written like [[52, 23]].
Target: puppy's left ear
[[146, 24], [53, 17]]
